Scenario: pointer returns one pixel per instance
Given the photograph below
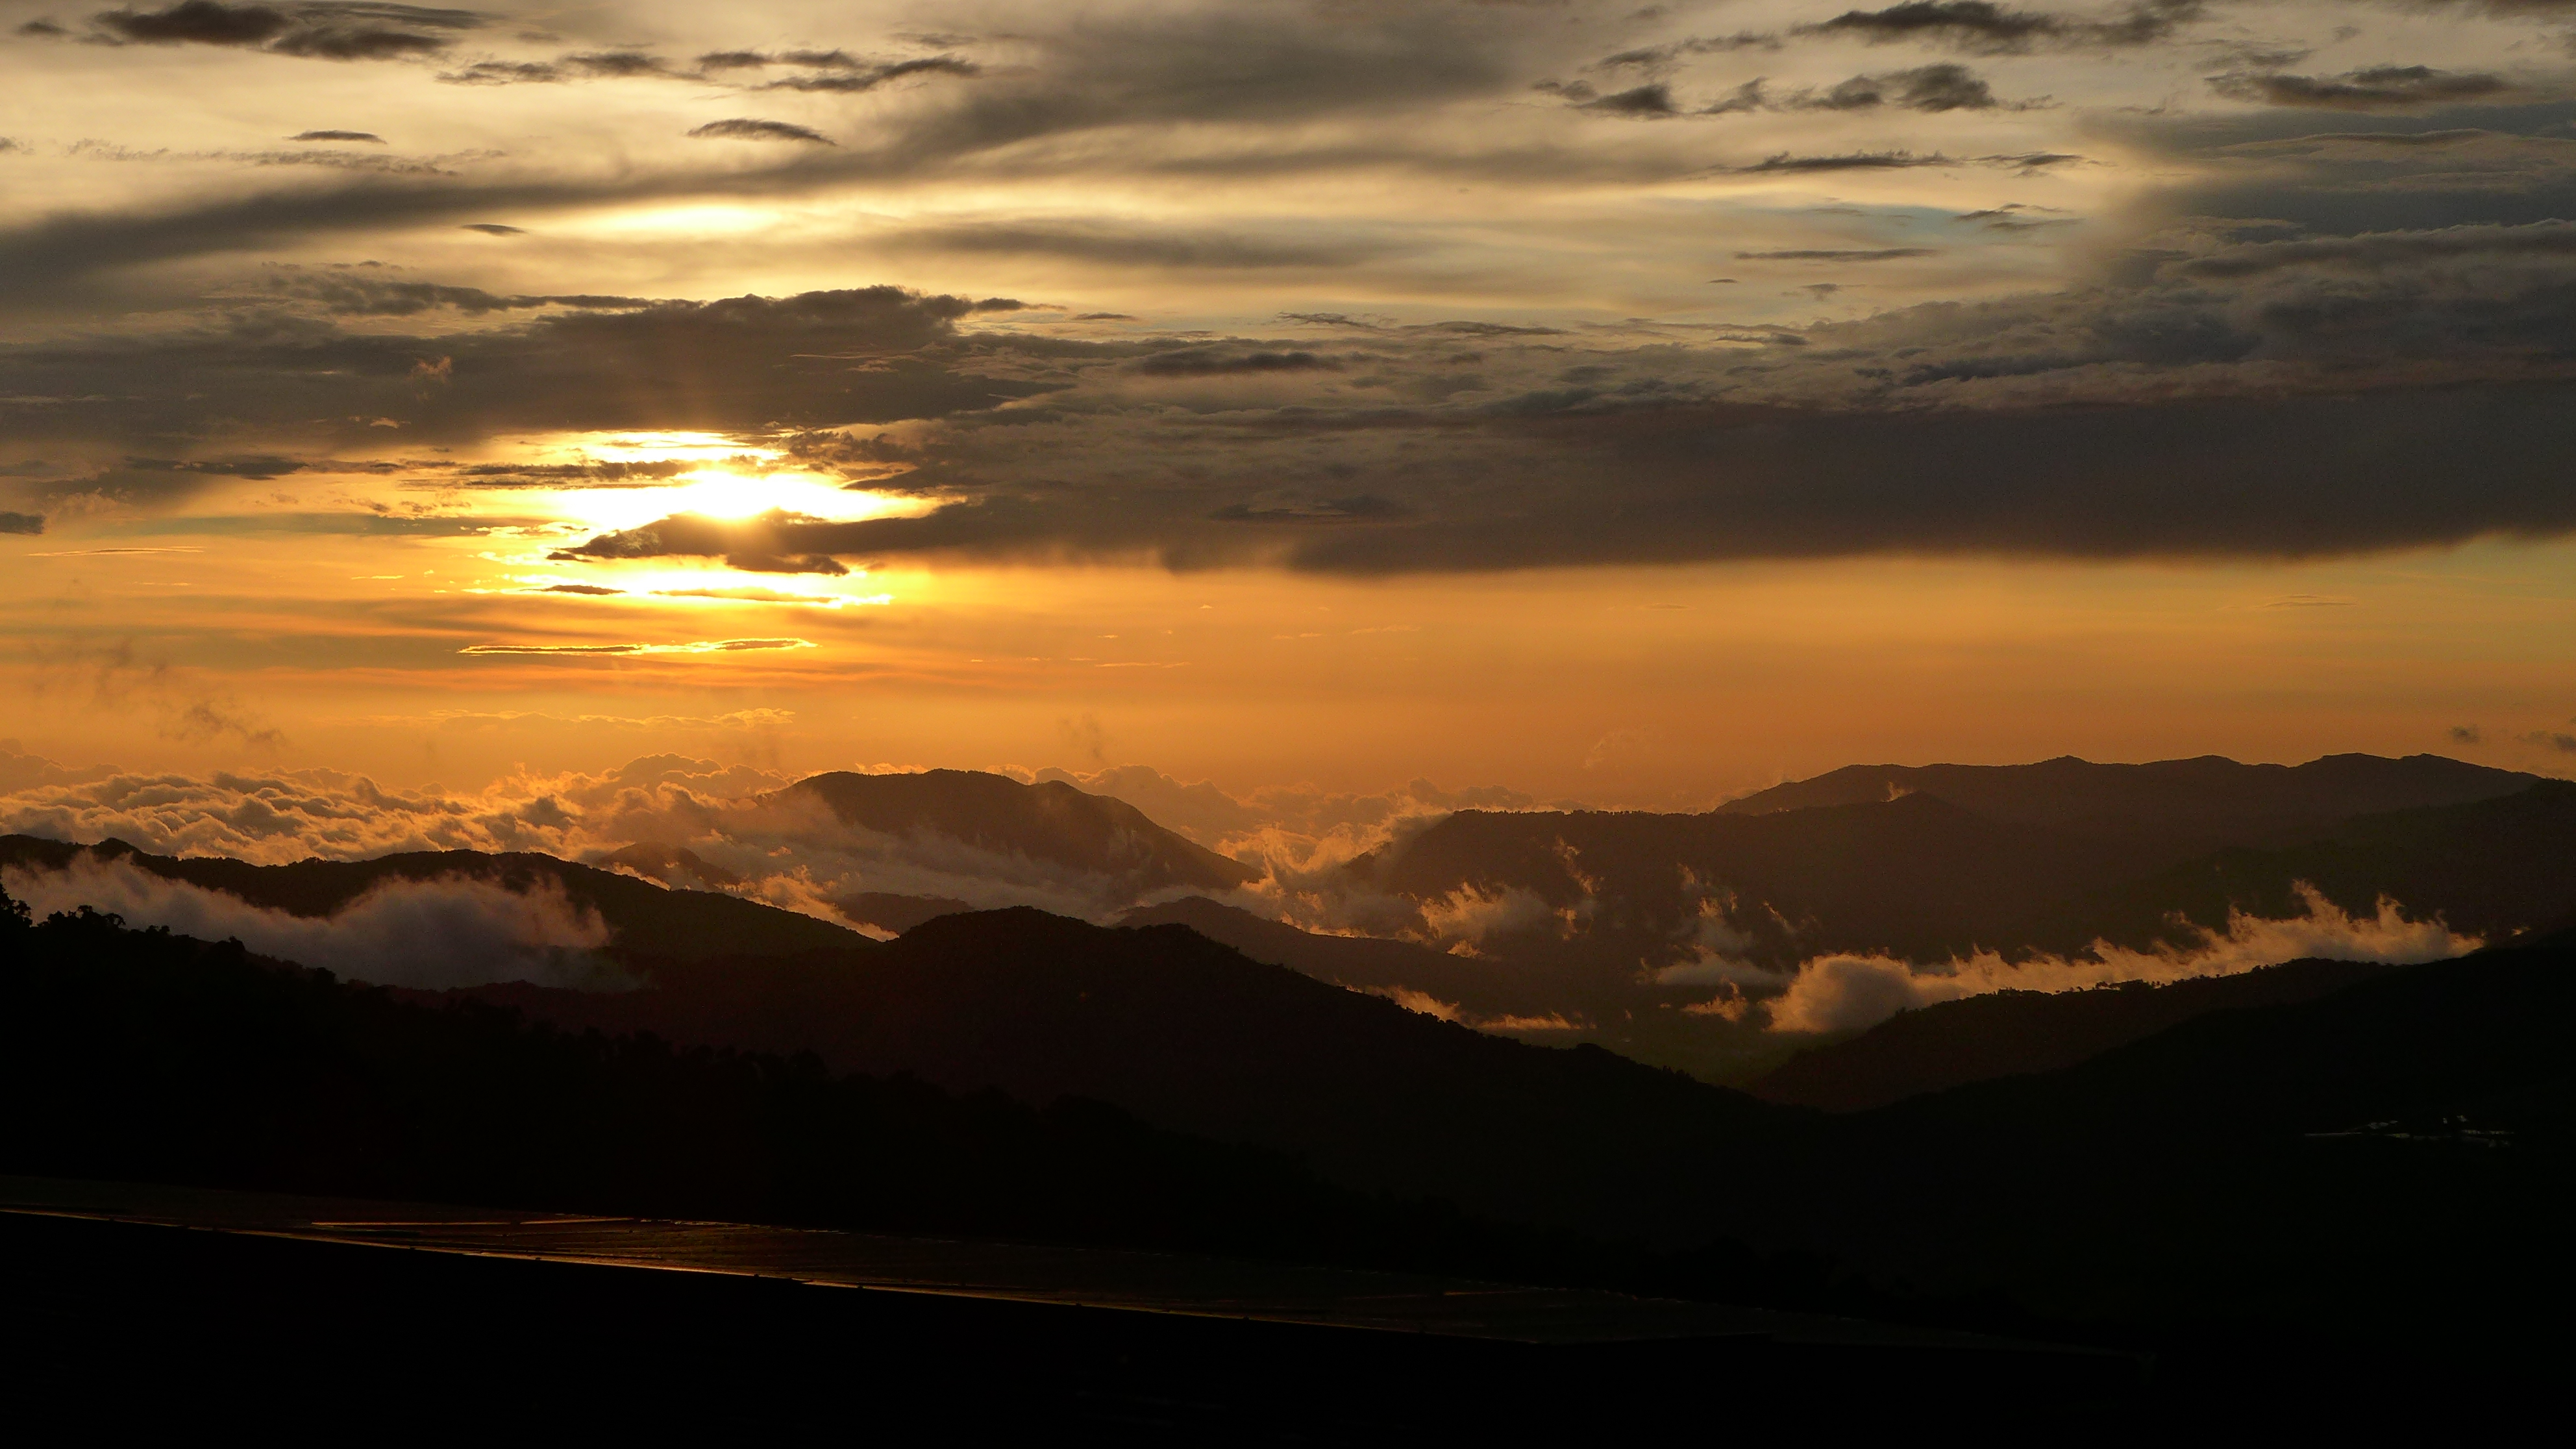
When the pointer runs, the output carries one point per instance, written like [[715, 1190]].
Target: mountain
[[2184, 807], [1191, 1036], [2491, 868], [1050, 822], [2011, 1033], [888, 911], [1917, 876], [681, 924], [130, 1055]]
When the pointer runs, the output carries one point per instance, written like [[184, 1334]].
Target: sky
[[1632, 406]]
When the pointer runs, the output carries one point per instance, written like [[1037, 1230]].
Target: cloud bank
[[454, 931], [1843, 993]]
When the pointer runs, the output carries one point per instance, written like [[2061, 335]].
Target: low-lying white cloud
[[1842, 993], [432, 934]]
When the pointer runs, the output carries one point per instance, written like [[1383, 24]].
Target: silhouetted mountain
[[2490, 868], [1190, 1035], [2183, 807], [1051, 822], [135, 1055], [1917, 876], [897, 913], [2010, 1033], [680, 924]]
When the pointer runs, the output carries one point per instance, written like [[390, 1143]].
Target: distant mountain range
[[1628, 930], [2178, 807]]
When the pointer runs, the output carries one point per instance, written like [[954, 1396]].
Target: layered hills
[[1193, 1036]]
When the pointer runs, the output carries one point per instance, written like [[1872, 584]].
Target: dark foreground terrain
[[2302, 1201]]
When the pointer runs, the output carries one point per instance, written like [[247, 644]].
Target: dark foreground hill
[[143, 1056], [2394, 1154], [683, 924], [1191, 1035], [1050, 823], [2013, 1033], [2388, 1164]]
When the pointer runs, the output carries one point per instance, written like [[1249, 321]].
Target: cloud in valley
[[1844, 993], [453, 931]]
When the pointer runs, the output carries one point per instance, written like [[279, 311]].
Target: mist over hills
[[539, 901]]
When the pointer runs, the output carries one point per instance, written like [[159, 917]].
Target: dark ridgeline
[[2183, 807], [1191, 1035], [2013, 1033], [1940, 860], [138, 1055], [2491, 868], [1050, 823]]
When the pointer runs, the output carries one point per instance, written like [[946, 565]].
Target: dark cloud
[[2269, 398], [744, 129], [316, 31], [22, 522], [1847, 161], [492, 228], [1212, 361], [1359, 508], [365, 292], [2467, 735], [852, 78], [1880, 254], [1661, 57], [2379, 87], [368, 136], [504, 73], [1144, 246], [1984, 28], [1652, 99], [1943, 87], [615, 65], [2565, 744], [748, 365]]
